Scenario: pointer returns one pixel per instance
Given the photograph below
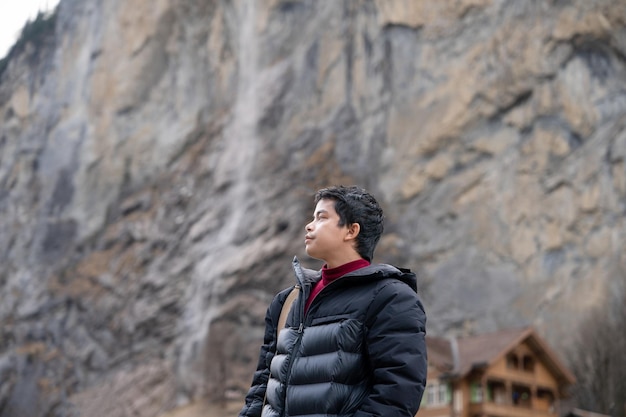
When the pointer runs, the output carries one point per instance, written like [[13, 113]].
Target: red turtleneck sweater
[[331, 274]]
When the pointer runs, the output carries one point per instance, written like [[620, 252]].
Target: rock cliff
[[158, 160]]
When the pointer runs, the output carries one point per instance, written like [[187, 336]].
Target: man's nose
[[308, 227]]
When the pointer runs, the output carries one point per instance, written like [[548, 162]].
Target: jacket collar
[[373, 272]]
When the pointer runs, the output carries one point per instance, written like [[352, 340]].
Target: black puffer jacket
[[359, 351]]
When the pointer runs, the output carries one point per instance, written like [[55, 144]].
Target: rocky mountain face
[[158, 160]]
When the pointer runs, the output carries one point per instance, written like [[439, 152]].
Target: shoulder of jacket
[[282, 295]]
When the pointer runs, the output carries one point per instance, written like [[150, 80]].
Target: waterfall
[[233, 173]]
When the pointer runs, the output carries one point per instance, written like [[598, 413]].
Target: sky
[[13, 15]]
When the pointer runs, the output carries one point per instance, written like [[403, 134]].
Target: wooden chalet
[[509, 373]]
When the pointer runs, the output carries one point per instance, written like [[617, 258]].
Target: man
[[353, 344]]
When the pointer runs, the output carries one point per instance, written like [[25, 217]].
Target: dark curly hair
[[355, 205]]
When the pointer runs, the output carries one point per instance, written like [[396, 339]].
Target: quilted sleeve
[[396, 350]]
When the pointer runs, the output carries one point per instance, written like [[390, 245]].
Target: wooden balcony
[[491, 409]]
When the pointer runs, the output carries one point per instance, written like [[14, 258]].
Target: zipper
[[296, 346], [300, 332]]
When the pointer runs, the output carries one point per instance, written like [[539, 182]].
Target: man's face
[[324, 238]]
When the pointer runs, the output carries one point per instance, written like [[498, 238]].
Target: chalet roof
[[484, 349], [440, 353], [480, 351]]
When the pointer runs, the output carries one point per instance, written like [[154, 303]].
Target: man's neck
[[331, 274], [335, 263]]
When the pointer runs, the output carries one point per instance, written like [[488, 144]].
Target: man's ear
[[353, 231]]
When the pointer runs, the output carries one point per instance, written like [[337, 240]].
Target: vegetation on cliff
[[36, 32]]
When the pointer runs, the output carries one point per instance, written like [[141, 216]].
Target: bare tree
[[598, 358]]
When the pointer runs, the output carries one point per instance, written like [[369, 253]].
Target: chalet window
[[528, 363], [512, 362], [496, 391], [430, 394], [443, 394], [521, 395], [476, 392], [437, 394]]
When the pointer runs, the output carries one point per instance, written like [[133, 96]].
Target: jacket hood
[[373, 272]]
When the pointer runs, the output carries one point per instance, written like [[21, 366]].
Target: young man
[[353, 344]]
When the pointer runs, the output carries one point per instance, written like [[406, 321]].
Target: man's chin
[[311, 253]]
